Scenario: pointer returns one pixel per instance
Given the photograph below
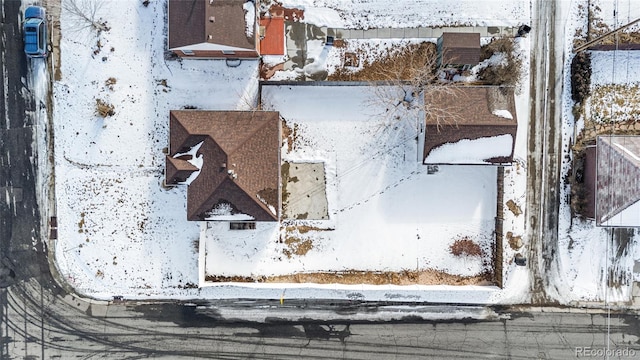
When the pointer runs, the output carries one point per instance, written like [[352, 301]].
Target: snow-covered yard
[[121, 233], [386, 213], [583, 271]]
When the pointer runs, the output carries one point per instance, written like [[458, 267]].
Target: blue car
[[35, 32]]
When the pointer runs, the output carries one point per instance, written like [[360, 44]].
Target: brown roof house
[[470, 125], [237, 173], [458, 50], [213, 29], [617, 181]]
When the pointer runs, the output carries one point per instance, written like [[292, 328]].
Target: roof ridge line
[[249, 136]]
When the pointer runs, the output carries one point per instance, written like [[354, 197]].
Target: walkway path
[[417, 33]]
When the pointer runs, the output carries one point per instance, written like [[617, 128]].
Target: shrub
[[507, 73], [580, 77], [412, 63], [104, 109], [579, 191], [110, 82], [465, 246], [503, 45]]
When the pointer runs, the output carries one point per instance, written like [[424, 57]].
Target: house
[[458, 50], [237, 175], [470, 125], [617, 180], [219, 29]]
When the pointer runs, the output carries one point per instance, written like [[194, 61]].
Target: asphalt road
[[173, 331], [19, 218]]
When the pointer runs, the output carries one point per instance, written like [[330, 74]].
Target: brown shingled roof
[[178, 170], [460, 48], [468, 113], [217, 22], [241, 155]]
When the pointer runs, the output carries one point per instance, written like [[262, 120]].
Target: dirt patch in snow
[[514, 208], [353, 277], [296, 239], [515, 241], [302, 229], [289, 134], [296, 246]]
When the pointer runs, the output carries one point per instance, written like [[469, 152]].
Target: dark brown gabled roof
[[219, 22], [460, 48], [241, 160], [469, 112]]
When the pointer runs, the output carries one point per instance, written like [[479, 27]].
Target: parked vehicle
[[34, 31]]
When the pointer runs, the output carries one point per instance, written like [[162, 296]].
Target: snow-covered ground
[[122, 233], [361, 14], [586, 252], [383, 205]]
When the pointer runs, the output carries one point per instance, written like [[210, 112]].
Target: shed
[[458, 50]]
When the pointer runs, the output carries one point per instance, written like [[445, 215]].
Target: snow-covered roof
[[470, 125]]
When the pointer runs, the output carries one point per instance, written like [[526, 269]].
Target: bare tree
[[85, 15], [407, 85]]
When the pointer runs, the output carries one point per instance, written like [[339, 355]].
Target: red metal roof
[[272, 41]]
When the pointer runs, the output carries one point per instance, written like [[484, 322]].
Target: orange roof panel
[[272, 40]]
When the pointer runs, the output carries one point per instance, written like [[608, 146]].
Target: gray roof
[[617, 180]]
